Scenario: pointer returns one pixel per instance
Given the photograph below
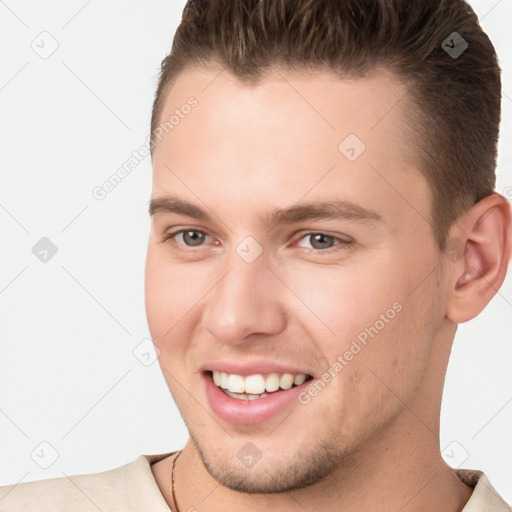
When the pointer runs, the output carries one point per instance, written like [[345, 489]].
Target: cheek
[[175, 298], [371, 331], [166, 303], [156, 284], [171, 292], [355, 302]]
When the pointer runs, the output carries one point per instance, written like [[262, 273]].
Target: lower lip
[[250, 412]]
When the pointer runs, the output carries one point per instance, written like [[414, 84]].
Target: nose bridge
[[245, 300]]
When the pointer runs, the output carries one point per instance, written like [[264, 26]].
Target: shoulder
[[115, 489], [484, 497]]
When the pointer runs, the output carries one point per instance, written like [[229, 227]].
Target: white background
[[68, 374]]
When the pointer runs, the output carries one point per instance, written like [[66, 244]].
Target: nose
[[246, 300]]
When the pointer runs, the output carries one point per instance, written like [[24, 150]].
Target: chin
[[273, 474]]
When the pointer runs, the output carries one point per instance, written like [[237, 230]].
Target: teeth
[[244, 396], [256, 385], [272, 382], [299, 379], [286, 381], [236, 383]]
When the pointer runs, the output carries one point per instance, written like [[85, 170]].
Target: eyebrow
[[316, 210]]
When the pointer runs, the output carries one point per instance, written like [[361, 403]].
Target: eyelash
[[341, 244]]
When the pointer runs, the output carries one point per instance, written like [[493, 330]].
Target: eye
[[321, 242], [189, 237], [318, 242]]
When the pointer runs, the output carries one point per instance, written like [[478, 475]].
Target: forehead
[[291, 134], [310, 102]]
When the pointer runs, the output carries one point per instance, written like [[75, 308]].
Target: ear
[[478, 253]]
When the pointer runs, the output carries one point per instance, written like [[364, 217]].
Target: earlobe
[[483, 236]]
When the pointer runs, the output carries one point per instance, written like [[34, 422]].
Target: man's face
[[357, 296]]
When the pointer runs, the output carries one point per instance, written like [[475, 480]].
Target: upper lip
[[252, 367]]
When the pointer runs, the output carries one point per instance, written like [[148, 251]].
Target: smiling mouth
[[256, 386]]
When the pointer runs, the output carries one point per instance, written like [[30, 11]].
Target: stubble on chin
[[305, 468]]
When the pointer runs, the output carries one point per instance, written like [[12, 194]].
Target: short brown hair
[[454, 102]]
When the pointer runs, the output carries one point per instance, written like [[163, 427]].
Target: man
[[324, 215]]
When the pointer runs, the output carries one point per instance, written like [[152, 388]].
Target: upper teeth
[[257, 383]]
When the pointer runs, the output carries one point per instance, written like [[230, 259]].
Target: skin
[[371, 436]]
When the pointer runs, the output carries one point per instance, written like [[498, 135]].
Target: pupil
[[319, 241], [193, 237]]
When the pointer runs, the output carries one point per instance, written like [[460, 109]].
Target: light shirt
[[132, 488]]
